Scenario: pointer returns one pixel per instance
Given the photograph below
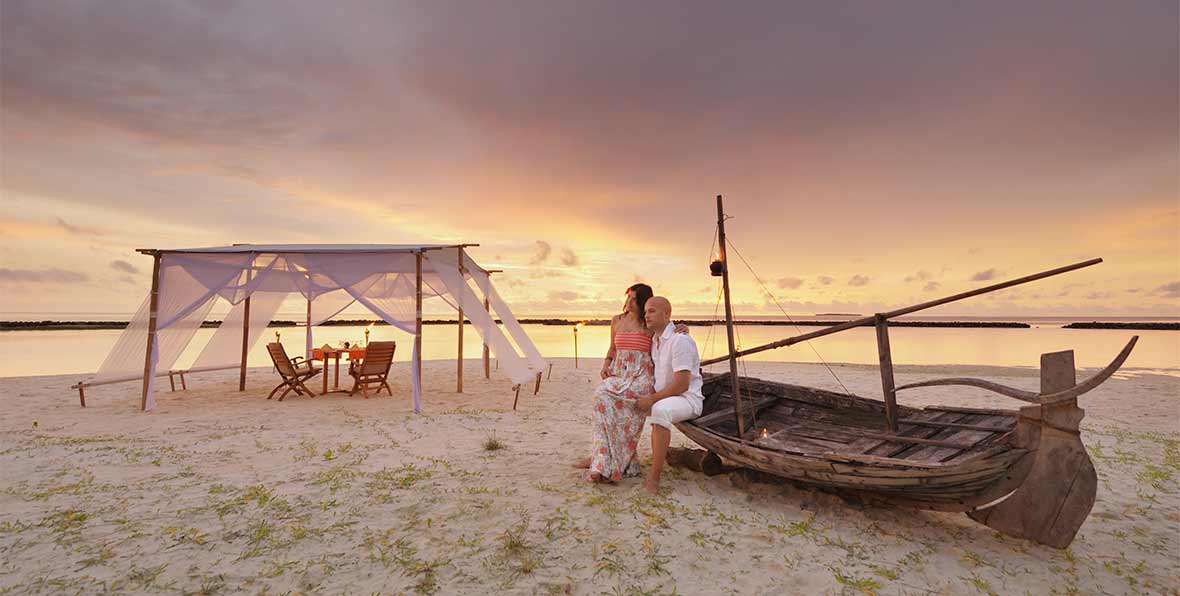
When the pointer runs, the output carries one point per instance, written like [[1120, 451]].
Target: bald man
[[678, 383]]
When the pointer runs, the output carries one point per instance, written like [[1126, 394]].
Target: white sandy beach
[[220, 492]]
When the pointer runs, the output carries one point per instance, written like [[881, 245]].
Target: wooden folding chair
[[292, 371], [374, 369]]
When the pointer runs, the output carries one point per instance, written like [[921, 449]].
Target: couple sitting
[[652, 369]]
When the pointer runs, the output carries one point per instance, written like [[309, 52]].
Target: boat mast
[[733, 376]]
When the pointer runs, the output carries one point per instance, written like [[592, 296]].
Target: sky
[[871, 155]]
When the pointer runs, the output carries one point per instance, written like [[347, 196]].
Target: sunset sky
[[872, 154]]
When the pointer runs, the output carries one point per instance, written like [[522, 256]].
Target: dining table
[[327, 353]]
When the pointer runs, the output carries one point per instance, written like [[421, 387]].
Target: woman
[[627, 374]]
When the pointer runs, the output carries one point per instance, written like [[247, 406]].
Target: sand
[[220, 492]]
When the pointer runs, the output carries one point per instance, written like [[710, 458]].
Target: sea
[[69, 352]]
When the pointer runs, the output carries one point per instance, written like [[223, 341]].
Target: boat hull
[[829, 440]]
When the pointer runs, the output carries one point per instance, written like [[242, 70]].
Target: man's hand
[[645, 403], [681, 328], [605, 372]]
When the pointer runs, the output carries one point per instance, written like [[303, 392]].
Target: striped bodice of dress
[[630, 340]]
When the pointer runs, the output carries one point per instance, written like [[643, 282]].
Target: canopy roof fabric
[[309, 248], [388, 279]]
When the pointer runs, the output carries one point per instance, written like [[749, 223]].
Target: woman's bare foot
[[583, 463], [652, 486]]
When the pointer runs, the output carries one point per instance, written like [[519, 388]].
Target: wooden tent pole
[[245, 333], [733, 376], [307, 336], [487, 355], [418, 313], [153, 306], [459, 300]]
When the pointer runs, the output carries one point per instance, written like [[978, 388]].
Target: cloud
[[124, 266], [568, 258], [1099, 295], [974, 251], [985, 275], [77, 230], [931, 286], [53, 275], [1133, 291], [790, 282], [825, 280], [563, 296], [858, 280], [541, 252], [921, 275], [542, 273], [1171, 290]]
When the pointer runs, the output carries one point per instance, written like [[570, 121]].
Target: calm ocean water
[[82, 351]]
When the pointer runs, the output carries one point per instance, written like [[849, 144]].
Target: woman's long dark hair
[[642, 293]]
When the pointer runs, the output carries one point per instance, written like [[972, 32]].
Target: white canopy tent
[[391, 280]]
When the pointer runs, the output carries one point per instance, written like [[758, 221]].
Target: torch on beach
[[576, 327]]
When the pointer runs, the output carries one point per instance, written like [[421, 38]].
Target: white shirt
[[673, 352]]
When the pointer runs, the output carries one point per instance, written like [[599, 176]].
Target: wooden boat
[[1022, 472]]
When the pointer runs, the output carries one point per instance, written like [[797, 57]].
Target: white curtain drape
[[224, 348], [516, 367]]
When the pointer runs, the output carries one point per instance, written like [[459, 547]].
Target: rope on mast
[[784, 311]]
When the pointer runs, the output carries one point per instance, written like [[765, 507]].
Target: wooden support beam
[[307, 331], [171, 381], [82, 394], [537, 389], [487, 353], [245, 335], [418, 315], [183, 385], [153, 311], [517, 398], [887, 385], [459, 301]]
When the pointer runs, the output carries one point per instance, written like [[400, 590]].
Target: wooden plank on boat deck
[[812, 396], [881, 448], [968, 438], [784, 439], [790, 411], [992, 441], [990, 427], [986, 411], [840, 434], [995, 458], [727, 414]]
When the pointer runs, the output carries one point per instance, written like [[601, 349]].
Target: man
[[678, 383]]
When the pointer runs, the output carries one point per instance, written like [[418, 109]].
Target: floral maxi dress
[[617, 424]]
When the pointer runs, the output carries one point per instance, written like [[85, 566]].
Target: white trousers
[[671, 410]]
